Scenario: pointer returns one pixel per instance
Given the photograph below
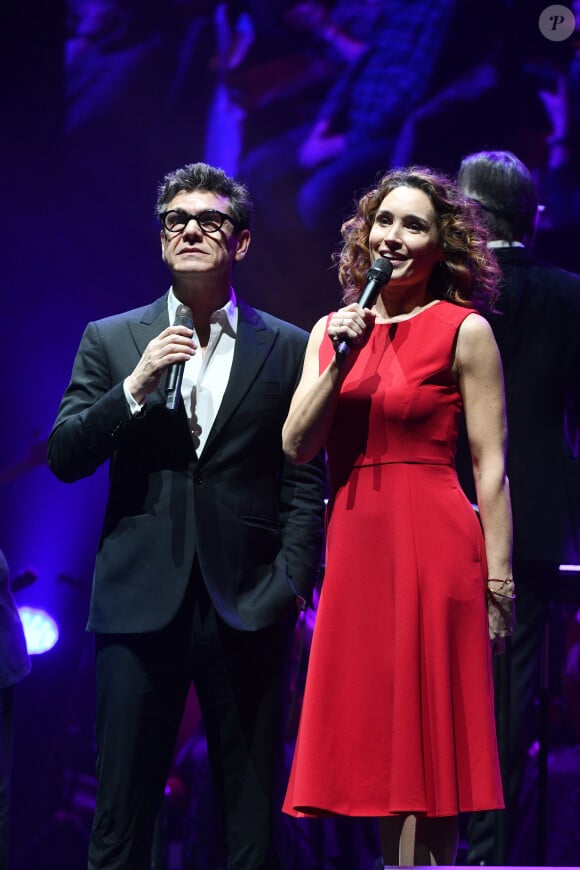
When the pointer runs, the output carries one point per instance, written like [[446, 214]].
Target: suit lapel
[[154, 319], [254, 341]]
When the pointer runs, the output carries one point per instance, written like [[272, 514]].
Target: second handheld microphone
[[378, 275]]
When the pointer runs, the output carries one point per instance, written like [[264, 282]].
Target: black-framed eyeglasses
[[210, 221]]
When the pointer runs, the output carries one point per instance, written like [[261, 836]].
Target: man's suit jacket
[[537, 328], [253, 519]]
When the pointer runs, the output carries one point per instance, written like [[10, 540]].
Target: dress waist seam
[[402, 462]]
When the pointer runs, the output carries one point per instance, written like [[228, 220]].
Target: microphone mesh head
[[184, 316], [381, 270]]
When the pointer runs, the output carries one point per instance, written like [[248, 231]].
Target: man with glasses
[[210, 537]]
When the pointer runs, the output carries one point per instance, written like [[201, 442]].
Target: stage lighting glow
[[40, 630]]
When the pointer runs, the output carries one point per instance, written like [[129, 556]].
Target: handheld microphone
[[378, 275], [183, 317]]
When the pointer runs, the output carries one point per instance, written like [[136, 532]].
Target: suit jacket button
[[197, 478]]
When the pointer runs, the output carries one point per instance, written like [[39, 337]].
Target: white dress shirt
[[206, 374]]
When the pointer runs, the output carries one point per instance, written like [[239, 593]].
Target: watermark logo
[[557, 23]]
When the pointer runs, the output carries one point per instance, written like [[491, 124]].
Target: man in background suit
[[210, 537], [14, 665], [537, 328]]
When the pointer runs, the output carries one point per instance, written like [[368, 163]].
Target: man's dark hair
[[506, 191], [202, 176]]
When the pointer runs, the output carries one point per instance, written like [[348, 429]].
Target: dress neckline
[[402, 318]]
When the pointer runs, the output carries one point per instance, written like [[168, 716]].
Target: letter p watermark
[[557, 23]]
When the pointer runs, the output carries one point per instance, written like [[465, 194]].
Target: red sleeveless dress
[[398, 708]]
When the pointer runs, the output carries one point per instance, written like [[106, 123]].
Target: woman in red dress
[[397, 720]]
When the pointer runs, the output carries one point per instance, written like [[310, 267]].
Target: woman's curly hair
[[468, 274]]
